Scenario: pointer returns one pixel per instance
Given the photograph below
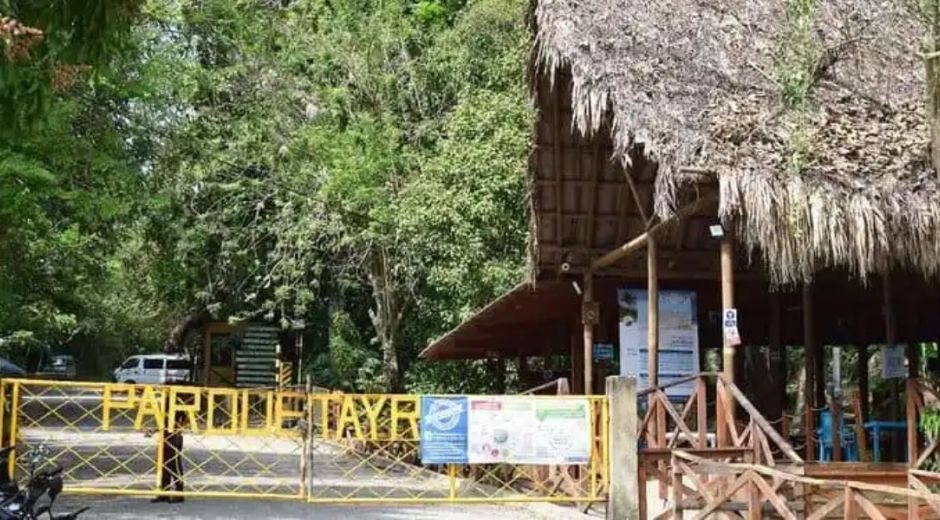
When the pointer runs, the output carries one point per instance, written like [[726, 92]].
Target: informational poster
[[892, 362], [523, 430], [444, 423], [678, 338]]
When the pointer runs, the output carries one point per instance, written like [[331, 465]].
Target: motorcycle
[[24, 504]]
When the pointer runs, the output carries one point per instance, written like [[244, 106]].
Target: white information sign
[[523, 430], [892, 362], [730, 327], [678, 338]]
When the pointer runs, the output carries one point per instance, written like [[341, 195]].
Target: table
[[876, 428]]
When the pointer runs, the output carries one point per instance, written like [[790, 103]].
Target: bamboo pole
[[810, 353], [652, 314], [652, 335], [727, 302], [640, 241], [588, 324]]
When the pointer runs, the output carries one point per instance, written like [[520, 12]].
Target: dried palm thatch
[[698, 83]]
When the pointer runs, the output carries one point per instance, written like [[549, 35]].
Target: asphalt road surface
[[120, 508]]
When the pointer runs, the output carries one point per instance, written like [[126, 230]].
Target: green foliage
[[357, 164], [795, 72], [89, 33]]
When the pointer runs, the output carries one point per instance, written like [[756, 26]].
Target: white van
[[153, 369]]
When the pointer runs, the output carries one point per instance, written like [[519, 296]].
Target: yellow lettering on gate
[[324, 415], [372, 413], [149, 405], [347, 415], [177, 406], [128, 403], [231, 397], [282, 412], [398, 414], [268, 414]]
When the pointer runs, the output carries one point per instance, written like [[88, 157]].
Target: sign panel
[[521, 430], [892, 362], [603, 352], [730, 327], [444, 430], [678, 338]]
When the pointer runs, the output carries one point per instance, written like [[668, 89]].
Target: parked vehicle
[[37, 498], [8, 369], [153, 369], [58, 367]]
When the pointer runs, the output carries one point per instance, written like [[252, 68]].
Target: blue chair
[[849, 446]]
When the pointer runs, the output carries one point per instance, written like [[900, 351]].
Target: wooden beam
[[577, 363], [592, 190], [636, 199], [557, 158], [587, 322], [640, 241], [810, 353]]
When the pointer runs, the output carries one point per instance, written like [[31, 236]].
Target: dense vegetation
[[358, 165]]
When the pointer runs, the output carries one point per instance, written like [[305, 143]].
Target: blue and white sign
[[444, 430], [678, 338]]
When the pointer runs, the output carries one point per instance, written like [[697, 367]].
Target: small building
[[248, 355], [666, 159]]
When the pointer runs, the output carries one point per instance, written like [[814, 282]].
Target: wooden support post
[[627, 495], [835, 409], [728, 350], [891, 339], [913, 358], [652, 336], [913, 512], [500, 375], [652, 314], [588, 319], [862, 370], [777, 393], [577, 363], [727, 302], [810, 352]]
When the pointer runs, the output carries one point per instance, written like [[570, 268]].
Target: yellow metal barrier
[[171, 440], [366, 449], [222, 442]]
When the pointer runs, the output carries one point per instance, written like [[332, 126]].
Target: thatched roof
[[696, 81]]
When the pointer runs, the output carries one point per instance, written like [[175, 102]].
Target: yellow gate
[[191, 441]]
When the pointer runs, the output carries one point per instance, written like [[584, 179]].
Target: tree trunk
[[174, 341], [386, 317]]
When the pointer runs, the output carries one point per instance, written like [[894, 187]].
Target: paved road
[[119, 508]]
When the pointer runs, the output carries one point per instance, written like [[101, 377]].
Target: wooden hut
[[658, 121]]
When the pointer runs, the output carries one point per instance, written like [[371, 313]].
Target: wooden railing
[[559, 386], [751, 471], [710, 431], [714, 488], [699, 425]]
